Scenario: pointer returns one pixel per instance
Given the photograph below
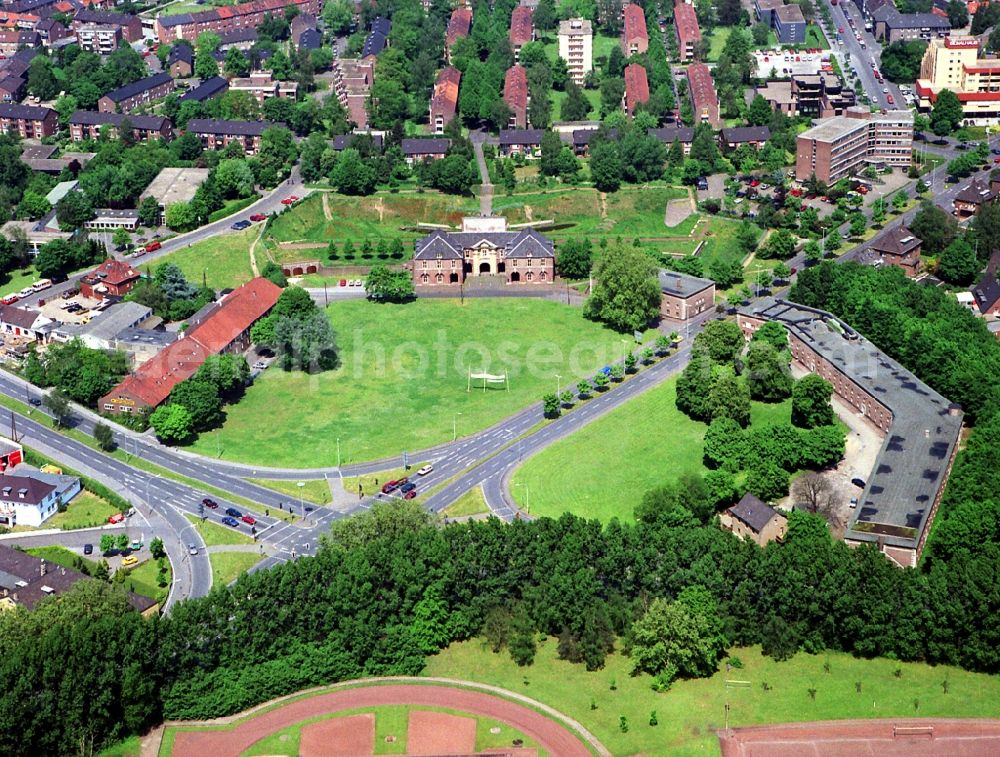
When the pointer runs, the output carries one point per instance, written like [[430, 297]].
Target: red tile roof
[[686, 21], [444, 100], [634, 24], [155, 379], [114, 272], [521, 26], [703, 96], [636, 87], [458, 25], [515, 89], [235, 313]]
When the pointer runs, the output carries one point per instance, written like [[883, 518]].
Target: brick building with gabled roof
[[137, 93], [112, 278], [704, 100], [687, 30], [753, 519], [522, 29], [458, 27], [226, 18], [515, 95], [223, 327], [444, 99], [634, 39], [636, 88], [87, 124], [899, 247]]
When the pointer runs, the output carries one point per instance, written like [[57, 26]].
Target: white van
[[41, 284]]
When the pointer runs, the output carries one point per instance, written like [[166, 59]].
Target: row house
[[130, 26], [215, 134], [138, 93], [419, 150], [634, 39], [227, 18], [636, 88], [28, 121], [522, 29], [261, 85], [444, 99], [704, 100], [687, 30], [88, 124], [516, 96], [527, 142], [458, 27]]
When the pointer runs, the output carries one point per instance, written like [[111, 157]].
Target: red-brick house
[[636, 88], [899, 247], [458, 27], [704, 100], [968, 201], [28, 121], [687, 29], [515, 95], [522, 29], [87, 124], [131, 96], [444, 99], [112, 278], [634, 40]]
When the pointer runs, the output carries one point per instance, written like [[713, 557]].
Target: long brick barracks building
[[226, 18]]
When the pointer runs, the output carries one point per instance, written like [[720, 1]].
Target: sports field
[[689, 712], [403, 380], [602, 470]]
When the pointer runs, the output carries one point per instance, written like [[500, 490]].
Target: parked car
[[240, 225], [390, 486], [995, 151], [232, 522], [192, 549], [257, 217], [136, 545], [410, 494], [407, 487], [249, 520], [211, 504], [233, 512], [26, 292], [152, 247], [128, 562], [88, 549], [859, 482], [117, 518], [889, 99], [425, 470], [9, 299], [35, 402], [854, 502]]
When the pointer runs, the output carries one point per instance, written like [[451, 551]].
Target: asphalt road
[[861, 59]]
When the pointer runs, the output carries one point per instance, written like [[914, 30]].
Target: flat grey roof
[[912, 464], [111, 322], [681, 284], [175, 185]]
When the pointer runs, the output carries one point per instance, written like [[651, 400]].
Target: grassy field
[[690, 710], [315, 490], [15, 281], [142, 580], [130, 747], [593, 96], [85, 510], [471, 503], [58, 555], [360, 218], [720, 243], [401, 387], [232, 206], [215, 534], [223, 260], [602, 470], [227, 566], [720, 36]]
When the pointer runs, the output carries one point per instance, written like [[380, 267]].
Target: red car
[[995, 160], [10, 300], [258, 217], [287, 201], [390, 486], [211, 504], [410, 494], [755, 183], [116, 518], [249, 520], [889, 99], [840, 29]]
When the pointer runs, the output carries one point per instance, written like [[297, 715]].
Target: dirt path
[[326, 207], [380, 207], [551, 736], [253, 249], [604, 204]]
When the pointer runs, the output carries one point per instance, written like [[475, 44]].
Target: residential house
[[112, 278], [378, 38], [752, 519], [484, 247], [129, 26], [417, 150], [899, 247], [704, 100], [138, 93], [28, 121], [515, 95], [987, 295], [303, 24], [522, 29], [444, 99], [226, 18], [634, 38], [576, 47], [216, 134], [88, 124], [109, 219], [892, 26], [674, 132], [26, 501], [687, 30], [582, 138], [213, 87], [261, 85], [344, 141], [684, 296], [29, 325], [525, 142], [180, 61], [352, 82], [636, 88], [736, 136], [12, 88], [458, 27], [972, 197], [102, 39]]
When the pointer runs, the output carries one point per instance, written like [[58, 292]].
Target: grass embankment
[[58, 555], [689, 712], [227, 566], [403, 380], [602, 470], [314, 490], [222, 261], [215, 534], [471, 503]]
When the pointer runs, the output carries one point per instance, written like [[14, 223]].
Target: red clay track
[[550, 736], [930, 737]]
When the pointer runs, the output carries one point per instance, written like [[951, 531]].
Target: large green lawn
[[222, 261], [86, 509], [689, 712], [403, 379], [227, 566], [602, 470]]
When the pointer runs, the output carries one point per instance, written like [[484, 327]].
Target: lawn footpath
[[688, 714], [403, 382]]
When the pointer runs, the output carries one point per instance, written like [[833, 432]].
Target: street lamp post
[[338, 451], [624, 348], [149, 478], [454, 426], [558, 385], [527, 498]]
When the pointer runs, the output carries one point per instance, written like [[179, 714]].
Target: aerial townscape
[[499, 377]]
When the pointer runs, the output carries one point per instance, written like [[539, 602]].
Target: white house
[[27, 501]]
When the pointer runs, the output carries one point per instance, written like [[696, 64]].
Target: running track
[[549, 735]]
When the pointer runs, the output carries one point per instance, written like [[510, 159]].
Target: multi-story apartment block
[[636, 88], [954, 64], [136, 94], [261, 85], [837, 147], [635, 39], [226, 18], [88, 124], [216, 134], [576, 47], [515, 95], [444, 99], [687, 30], [27, 121], [704, 100]]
